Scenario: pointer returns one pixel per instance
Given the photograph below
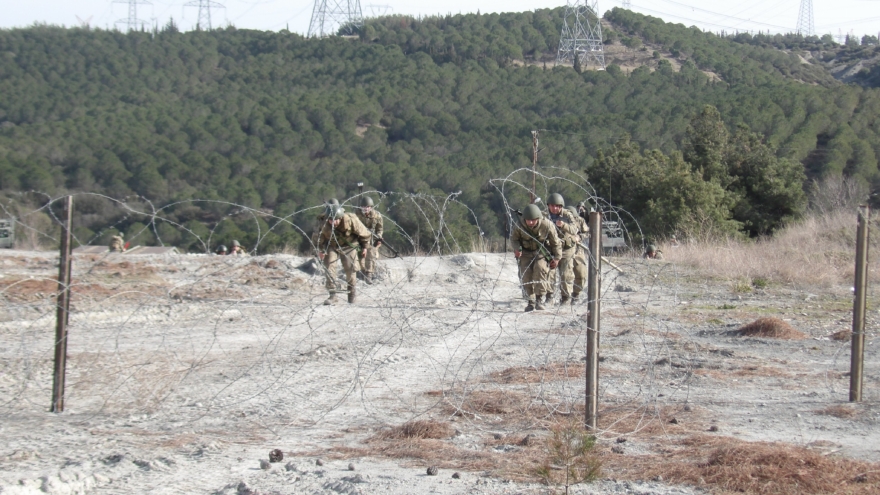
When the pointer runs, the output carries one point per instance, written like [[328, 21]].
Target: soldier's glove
[[554, 263]]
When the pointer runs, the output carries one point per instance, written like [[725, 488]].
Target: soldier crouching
[[345, 238], [538, 253]]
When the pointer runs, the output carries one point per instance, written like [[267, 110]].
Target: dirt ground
[[184, 372]]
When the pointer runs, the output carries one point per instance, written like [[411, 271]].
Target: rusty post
[[62, 315]]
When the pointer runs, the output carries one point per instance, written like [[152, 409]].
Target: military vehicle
[[7, 233], [613, 240]]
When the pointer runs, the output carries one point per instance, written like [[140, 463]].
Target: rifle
[[385, 243]]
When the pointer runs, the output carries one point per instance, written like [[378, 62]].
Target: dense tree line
[[279, 123]]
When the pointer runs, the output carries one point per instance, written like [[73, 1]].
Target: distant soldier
[[237, 249], [221, 250], [652, 253], [580, 264], [537, 249], [117, 243], [567, 232], [372, 220], [345, 238]]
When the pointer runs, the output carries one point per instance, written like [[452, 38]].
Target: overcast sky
[[834, 17]]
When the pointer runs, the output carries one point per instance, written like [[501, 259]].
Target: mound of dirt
[[771, 328]]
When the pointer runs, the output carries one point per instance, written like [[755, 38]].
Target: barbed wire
[[198, 338]]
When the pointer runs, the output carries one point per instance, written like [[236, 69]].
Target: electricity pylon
[[581, 34], [805, 26], [328, 16], [627, 4], [204, 6], [132, 20]]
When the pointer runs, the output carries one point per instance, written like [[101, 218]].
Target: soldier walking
[[567, 232], [579, 265], [537, 249], [343, 237], [372, 220]]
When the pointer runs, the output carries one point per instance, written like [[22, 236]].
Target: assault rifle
[[385, 243]]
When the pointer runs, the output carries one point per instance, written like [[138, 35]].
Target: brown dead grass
[[841, 335], [538, 374], [772, 328], [422, 429], [839, 411]]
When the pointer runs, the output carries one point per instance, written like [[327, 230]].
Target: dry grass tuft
[[423, 429], [772, 328], [726, 465], [841, 335], [838, 411], [540, 374]]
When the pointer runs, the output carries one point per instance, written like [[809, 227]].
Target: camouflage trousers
[[566, 270], [350, 263], [370, 261], [533, 270], [580, 271]]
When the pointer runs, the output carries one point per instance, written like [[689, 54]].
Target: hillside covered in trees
[[718, 129]]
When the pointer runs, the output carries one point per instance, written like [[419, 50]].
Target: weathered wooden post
[[62, 315], [857, 357], [593, 295]]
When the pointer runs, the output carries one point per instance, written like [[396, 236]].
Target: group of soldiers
[[353, 239], [237, 250], [548, 245]]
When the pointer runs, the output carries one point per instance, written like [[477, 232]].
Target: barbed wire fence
[[242, 345]]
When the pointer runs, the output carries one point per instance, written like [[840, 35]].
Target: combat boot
[[368, 278], [563, 300], [530, 306], [330, 300], [352, 295], [539, 305], [548, 298], [574, 299]]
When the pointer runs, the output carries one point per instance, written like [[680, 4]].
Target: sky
[[833, 17]]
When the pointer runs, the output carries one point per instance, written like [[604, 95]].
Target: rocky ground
[[184, 372]]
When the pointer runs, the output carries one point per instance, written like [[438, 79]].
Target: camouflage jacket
[[568, 233], [373, 221], [583, 229], [117, 243], [542, 236], [350, 233]]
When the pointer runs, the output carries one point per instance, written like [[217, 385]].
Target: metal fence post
[[62, 315], [593, 296], [857, 356]]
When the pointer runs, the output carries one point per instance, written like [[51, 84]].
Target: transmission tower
[[805, 26], [627, 4], [581, 34], [132, 20], [328, 16], [204, 12]]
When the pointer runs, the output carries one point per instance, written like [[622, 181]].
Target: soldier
[[579, 266], [652, 253], [322, 217], [537, 248], [567, 232], [237, 249], [343, 237], [372, 220], [221, 250], [117, 243]]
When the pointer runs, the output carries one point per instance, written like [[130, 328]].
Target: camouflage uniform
[[343, 242], [536, 244], [373, 222], [580, 258], [117, 244], [568, 237]]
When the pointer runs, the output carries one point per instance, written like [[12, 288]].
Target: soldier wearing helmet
[[322, 217], [579, 262], [221, 250], [652, 253], [343, 237], [537, 249], [372, 220], [117, 243], [567, 232], [237, 249]]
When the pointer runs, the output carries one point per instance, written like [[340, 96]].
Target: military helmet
[[332, 201], [366, 201], [651, 248], [221, 249], [556, 199], [235, 244], [532, 212], [335, 212], [572, 209], [121, 234]]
